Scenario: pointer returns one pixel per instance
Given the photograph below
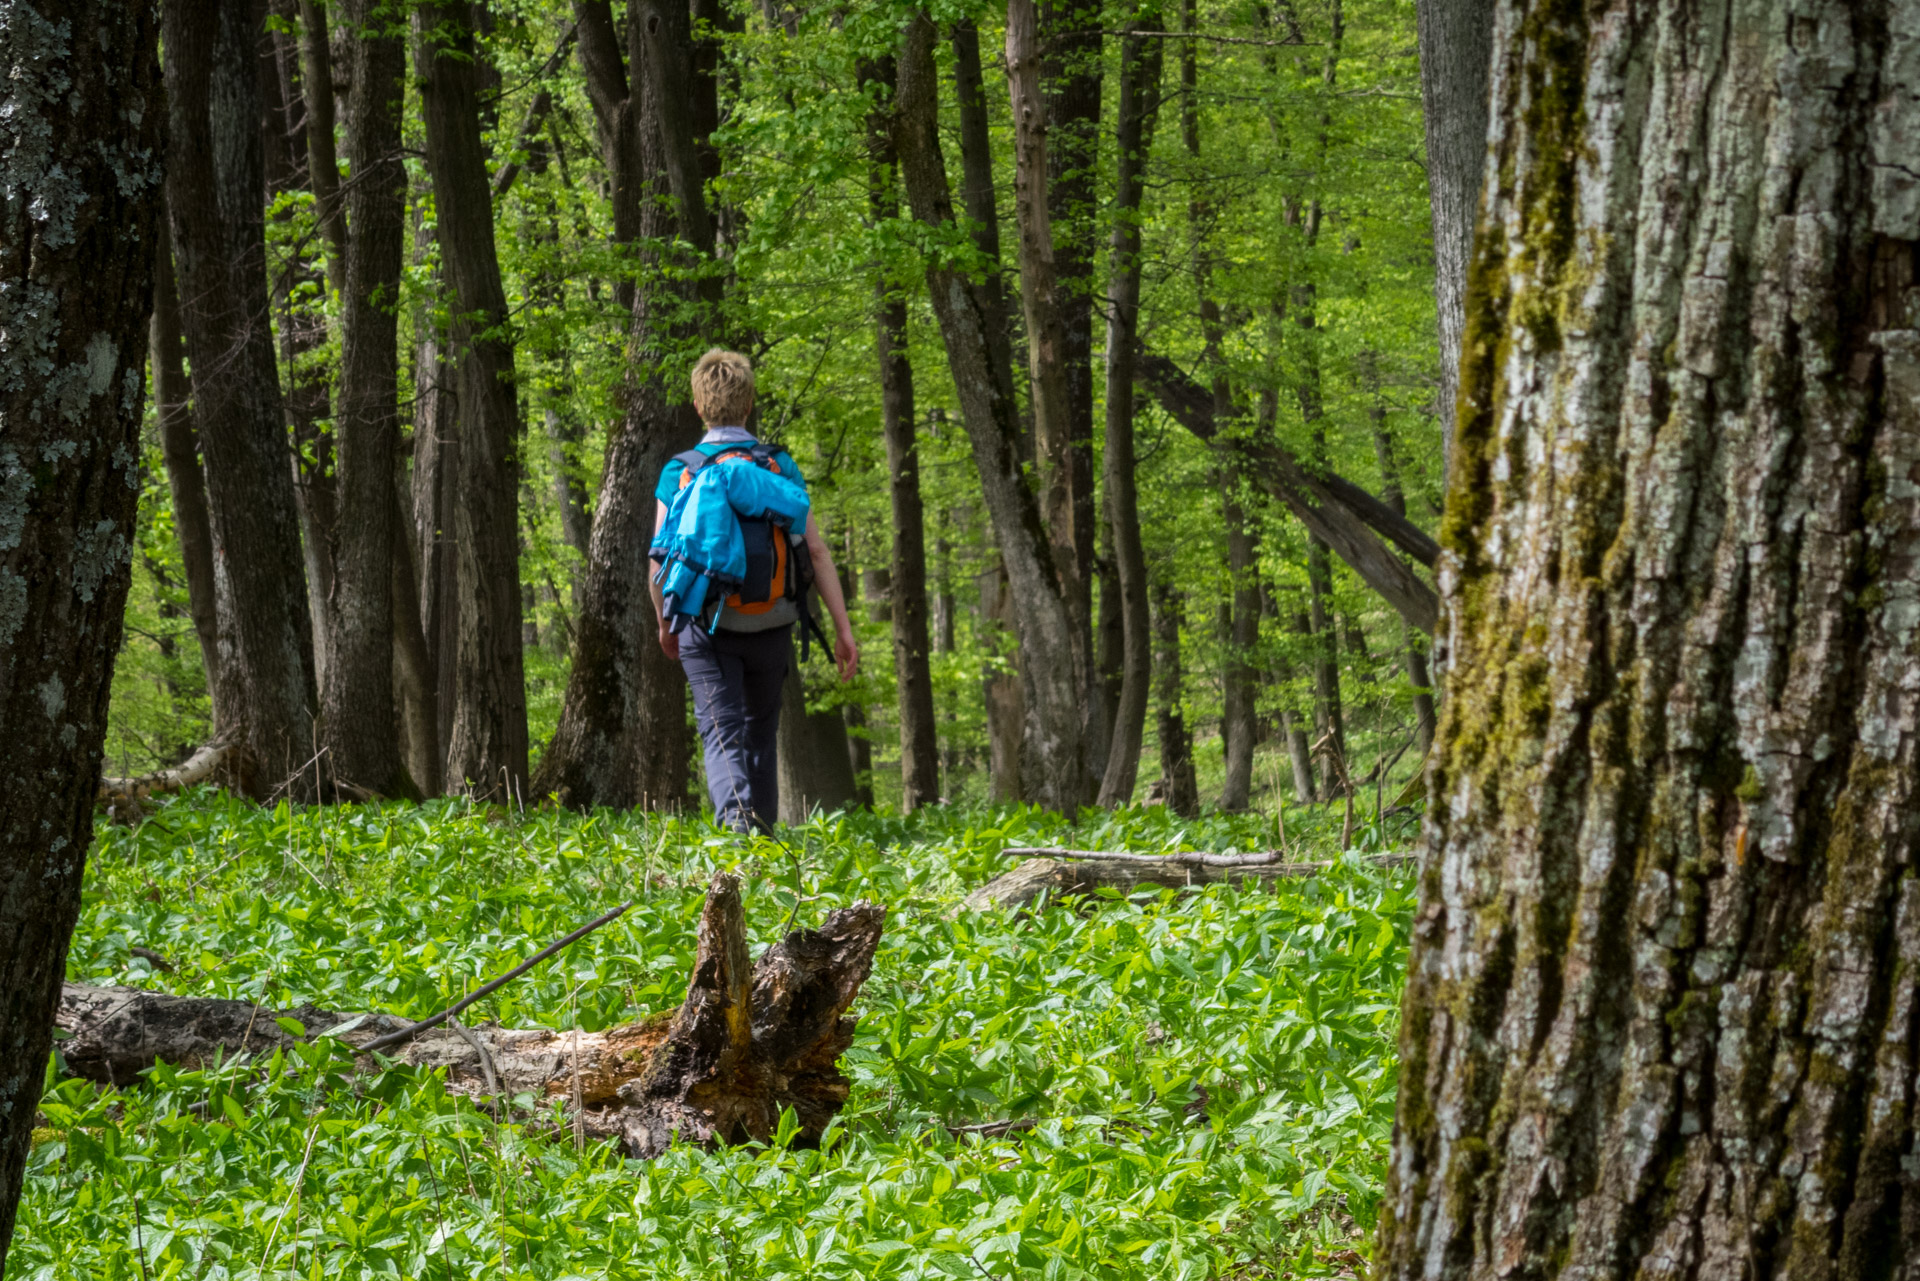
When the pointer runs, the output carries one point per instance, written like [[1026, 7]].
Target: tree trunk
[[1139, 106], [180, 451], [84, 132], [1337, 511], [979, 202], [1177, 783], [623, 738], [1329, 721], [323, 166], [815, 764], [436, 471], [1066, 490], [1414, 657], [215, 198], [1000, 687], [1292, 723], [487, 748], [1660, 1016], [1456, 51], [912, 666], [1070, 65], [1054, 666], [1239, 718], [749, 1041], [416, 679], [853, 715], [359, 699]]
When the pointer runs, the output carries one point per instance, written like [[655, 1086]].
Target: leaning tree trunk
[[215, 199], [1139, 105], [1660, 1017], [80, 138], [1053, 663], [487, 748], [361, 719], [1456, 49]]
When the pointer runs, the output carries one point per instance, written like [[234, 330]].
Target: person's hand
[[669, 642], [846, 654]]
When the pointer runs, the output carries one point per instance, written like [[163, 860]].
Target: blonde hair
[[723, 388]]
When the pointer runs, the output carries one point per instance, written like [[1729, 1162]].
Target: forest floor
[[1209, 1076]]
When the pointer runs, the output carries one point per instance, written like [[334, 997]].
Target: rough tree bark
[[815, 764], [751, 1039], [487, 747], [323, 165], [1053, 664], [1660, 1017], [979, 199], [215, 201], [1070, 64], [80, 140], [1138, 106], [361, 723], [622, 738], [912, 659], [180, 453], [1456, 50], [1178, 786], [1068, 480]]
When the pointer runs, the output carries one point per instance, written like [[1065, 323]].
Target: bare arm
[[845, 652], [669, 643]]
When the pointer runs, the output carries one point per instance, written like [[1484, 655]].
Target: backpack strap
[[693, 460]]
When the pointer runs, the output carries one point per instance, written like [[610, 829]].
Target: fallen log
[[1060, 873], [749, 1041], [197, 768]]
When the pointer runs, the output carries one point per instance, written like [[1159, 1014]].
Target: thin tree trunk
[[323, 165], [1413, 656], [215, 197], [82, 197], [1329, 722], [487, 749], [1000, 687], [857, 740], [979, 202], [1139, 106], [1239, 723], [359, 698], [436, 469], [180, 451], [1053, 663], [1177, 782], [912, 666], [1660, 1017], [1456, 52]]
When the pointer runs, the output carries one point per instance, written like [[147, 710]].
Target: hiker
[[732, 584]]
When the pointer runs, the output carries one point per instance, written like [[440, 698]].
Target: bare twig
[[412, 1030]]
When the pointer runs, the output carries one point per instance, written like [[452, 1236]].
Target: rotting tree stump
[[749, 1041]]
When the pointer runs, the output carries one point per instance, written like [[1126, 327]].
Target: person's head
[[723, 388]]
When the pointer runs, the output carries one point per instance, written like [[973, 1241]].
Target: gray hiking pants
[[737, 678]]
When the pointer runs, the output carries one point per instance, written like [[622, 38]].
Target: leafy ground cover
[[1210, 1074]]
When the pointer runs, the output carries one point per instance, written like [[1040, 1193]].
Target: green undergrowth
[[1210, 1075]]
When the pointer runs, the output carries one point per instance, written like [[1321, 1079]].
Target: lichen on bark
[[1659, 1017]]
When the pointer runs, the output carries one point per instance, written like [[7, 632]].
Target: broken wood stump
[[749, 1041], [1060, 873]]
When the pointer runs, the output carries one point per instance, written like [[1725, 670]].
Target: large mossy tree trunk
[[1660, 1018], [216, 194], [80, 141], [487, 743]]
